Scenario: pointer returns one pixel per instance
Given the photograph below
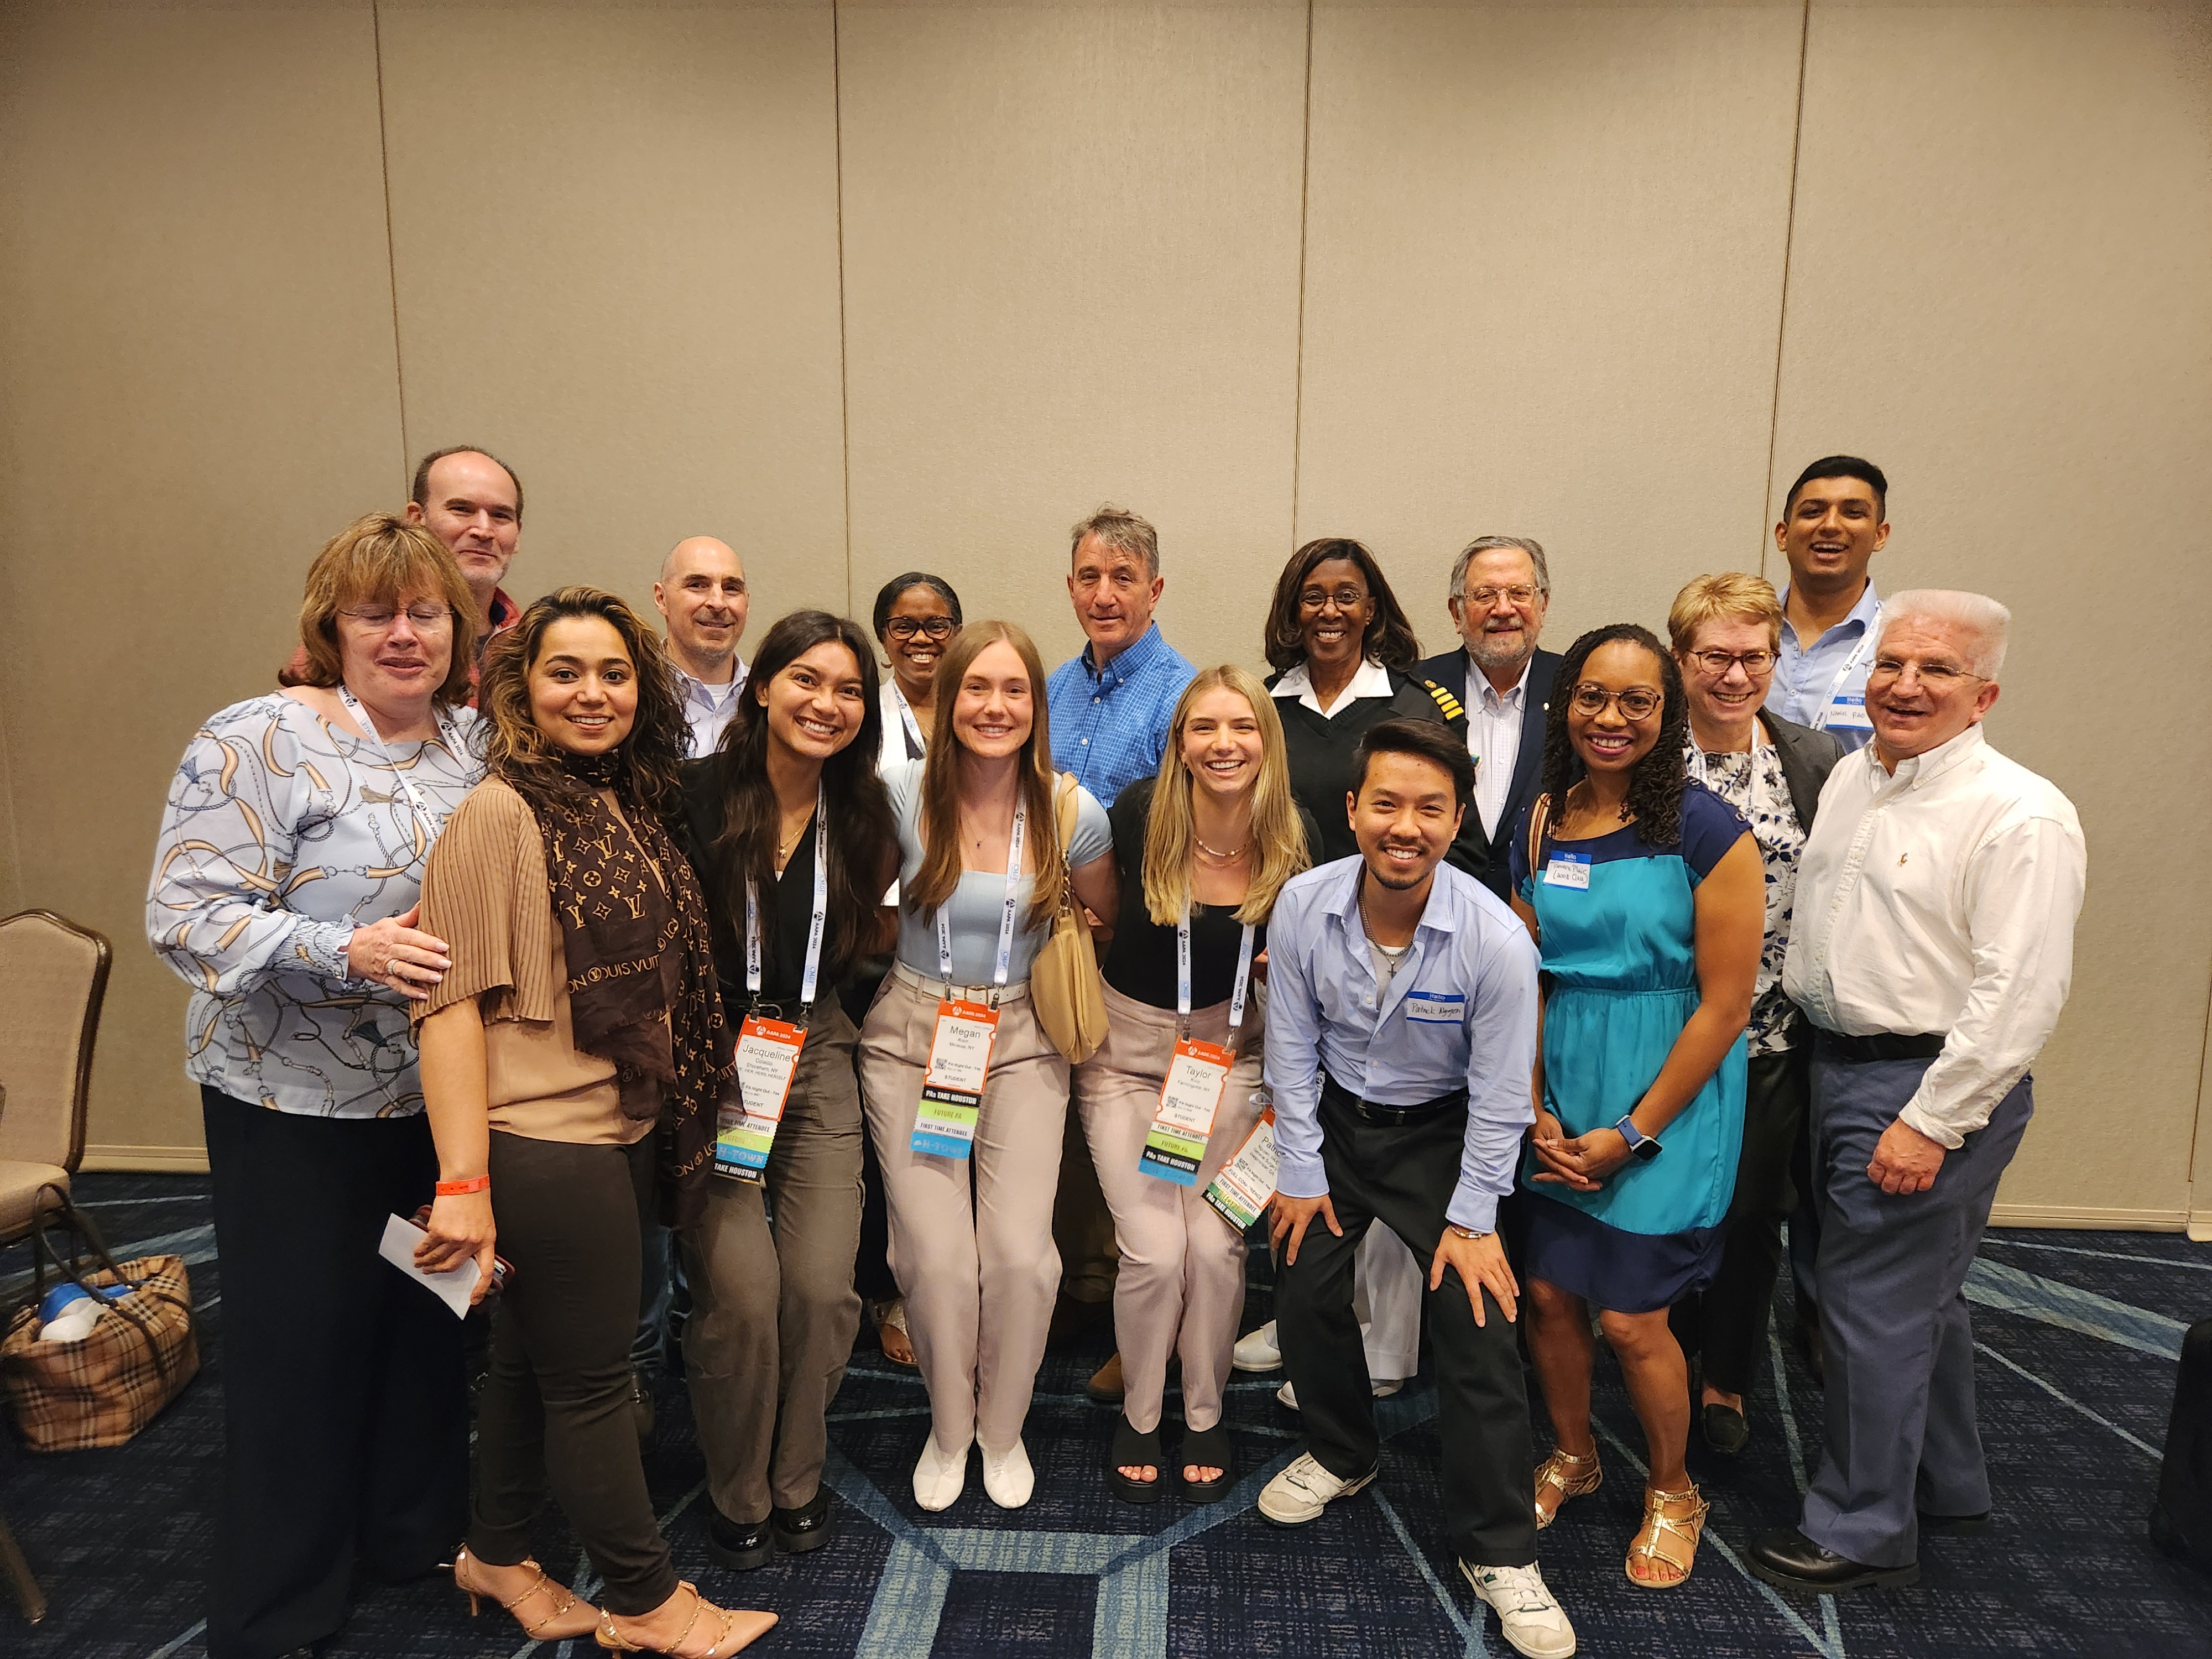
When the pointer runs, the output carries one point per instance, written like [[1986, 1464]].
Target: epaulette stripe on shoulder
[[1445, 700]]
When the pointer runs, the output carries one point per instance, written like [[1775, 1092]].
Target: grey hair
[[1122, 530], [1487, 544], [1986, 624]]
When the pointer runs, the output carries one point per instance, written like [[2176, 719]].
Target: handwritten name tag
[[1436, 1008], [1568, 869]]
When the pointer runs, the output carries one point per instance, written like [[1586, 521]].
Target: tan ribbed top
[[485, 893]]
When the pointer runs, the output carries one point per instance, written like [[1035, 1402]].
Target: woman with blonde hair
[[1202, 850], [965, 1093]]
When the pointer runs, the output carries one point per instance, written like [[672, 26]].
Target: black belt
[[1882, 1045], [1333, 1093]]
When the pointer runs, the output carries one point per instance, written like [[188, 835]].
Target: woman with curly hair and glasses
[[1644, 893], [576, 1044]]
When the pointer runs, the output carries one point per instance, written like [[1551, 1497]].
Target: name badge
[[1436, 1008], [1568, 869], [1189, 1095], [1849, 711], [953, 1086], [1247, 1182], [767, 1056]]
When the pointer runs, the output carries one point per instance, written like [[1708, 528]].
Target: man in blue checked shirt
[[1401, 1034]]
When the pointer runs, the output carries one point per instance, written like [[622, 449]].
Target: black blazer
[[1485, 857], [1808, 757]]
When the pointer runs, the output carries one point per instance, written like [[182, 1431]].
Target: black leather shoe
[[1789, 1560], [1725, 1429], [806, 1527], [1953, 1526], [739, 1548]]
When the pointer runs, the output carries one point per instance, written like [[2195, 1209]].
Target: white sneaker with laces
[[938, 1475], [1303, 1491], [1258, 1351], [1528, 1614], [1008, 1479]]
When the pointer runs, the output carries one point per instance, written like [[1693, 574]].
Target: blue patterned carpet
[[2077, 1331]]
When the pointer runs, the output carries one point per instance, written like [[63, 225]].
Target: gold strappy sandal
[[556, 1625], [1569, 1477], [1659, 1526]]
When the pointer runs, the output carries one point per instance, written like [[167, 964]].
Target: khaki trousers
[[773, 1311], [971, 1238], [1182, 1284]]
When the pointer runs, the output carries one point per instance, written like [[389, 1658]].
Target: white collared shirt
[[1373, 680], [1941, 898], [708, 710], [1493, 738]]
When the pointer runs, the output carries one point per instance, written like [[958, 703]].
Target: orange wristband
[[463, 1188]]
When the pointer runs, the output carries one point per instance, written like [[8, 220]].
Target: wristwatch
[[1644, 1147]]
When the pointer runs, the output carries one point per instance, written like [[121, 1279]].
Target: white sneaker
[[939, 1476], [1527, 1614], [1007, 1477], [1258, 1352], [1303, 1491]]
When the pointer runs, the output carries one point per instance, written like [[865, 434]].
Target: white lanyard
[[1236, 987], [1859, 651], [423, 816], [1005, 916], [811, 975], [913, 726], [1751, 778]]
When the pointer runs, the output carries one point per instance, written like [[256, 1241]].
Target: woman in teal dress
[[1646, 897]]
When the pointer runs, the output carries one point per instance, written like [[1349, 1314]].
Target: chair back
[[53, 976]]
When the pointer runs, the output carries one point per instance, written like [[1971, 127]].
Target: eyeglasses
[[1638, 702], [905, 628], [1346, 598], [1717, 663], [382, 616], [1487, 598], [1936, 676]]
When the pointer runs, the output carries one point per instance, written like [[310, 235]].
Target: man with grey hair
[[1933, 950], [1500, 588]]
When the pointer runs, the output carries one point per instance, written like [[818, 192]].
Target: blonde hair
[[1730, 594], [382, 559], [1170, 837], [939, 819]]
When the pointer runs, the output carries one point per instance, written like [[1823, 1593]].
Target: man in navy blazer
[[1499, 590]]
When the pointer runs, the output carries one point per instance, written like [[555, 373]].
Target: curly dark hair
[[518, 754], [1389, 638], [1655, 788]]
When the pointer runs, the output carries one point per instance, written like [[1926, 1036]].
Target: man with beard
[[1500, 588], [702, 599]]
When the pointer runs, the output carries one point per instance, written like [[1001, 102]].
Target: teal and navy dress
[[1621, 964]]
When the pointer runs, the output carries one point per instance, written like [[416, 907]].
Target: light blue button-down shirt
[[1460, 1013], [1810, 684], [1109, 725]]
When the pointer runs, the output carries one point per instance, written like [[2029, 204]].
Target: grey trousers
[[774, 1309], [1901, 1434]]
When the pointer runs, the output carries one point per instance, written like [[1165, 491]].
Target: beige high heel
[[739, 1629], [1569, 1476], [585, 1617]]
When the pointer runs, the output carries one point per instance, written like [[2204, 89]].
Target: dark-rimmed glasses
[[905, 628], [1638, 702]]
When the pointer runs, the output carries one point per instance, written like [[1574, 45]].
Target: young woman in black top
[[1207, 845]]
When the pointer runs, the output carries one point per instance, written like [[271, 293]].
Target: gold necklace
[[1215, 852]]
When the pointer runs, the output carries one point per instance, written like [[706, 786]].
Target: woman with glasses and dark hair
[[1644, 892], [1726, 631]]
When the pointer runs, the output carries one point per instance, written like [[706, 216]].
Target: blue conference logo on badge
[[1436, 1008]]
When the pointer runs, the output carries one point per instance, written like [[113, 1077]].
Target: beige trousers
[[979, 1272], [1181, 1283]]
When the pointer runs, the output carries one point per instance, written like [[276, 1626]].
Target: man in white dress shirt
[[1932, 952], [701, 598]]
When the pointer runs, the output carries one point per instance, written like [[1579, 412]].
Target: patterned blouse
[[1781, 839], [282, 833]]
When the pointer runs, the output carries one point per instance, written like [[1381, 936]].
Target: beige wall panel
[[615, 231], [1544, 264], [1071, 268], [196, 323], [1998, 292]]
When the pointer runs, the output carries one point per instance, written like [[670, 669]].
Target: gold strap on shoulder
[[1449, 704], [1540, 820]]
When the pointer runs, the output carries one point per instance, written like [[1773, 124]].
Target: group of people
[[648, 967]]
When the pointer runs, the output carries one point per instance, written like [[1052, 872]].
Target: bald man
[[701, 598]]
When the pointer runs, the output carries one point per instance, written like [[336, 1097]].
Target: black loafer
[[739, 1548], [1789, 1560], [1132, 1449], [1207, 1448], [1725, 1429], [806, 1527], [1953, 1526]]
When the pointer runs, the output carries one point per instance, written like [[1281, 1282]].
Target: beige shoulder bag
[[1064, 984]]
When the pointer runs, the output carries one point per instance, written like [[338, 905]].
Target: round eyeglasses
[[1638, 702]]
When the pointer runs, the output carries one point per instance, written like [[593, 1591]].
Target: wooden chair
[[53, 977]]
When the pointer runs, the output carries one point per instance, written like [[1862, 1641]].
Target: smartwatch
[[1644, 1147]]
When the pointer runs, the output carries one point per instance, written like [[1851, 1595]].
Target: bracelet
[[463, 1188], [1469, 1233]]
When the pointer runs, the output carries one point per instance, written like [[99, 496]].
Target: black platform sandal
[[806, 1527], [1207, 1448], [1135, 1450]]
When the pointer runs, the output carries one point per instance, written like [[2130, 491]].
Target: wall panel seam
[[1782, 312], [391, 252], [844, 354], [1298, 367]]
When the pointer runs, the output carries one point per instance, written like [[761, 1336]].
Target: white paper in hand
[[454, 1287]]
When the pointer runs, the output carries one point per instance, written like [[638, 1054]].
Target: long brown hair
[[1170, 837], [520, 755], [939, 817]]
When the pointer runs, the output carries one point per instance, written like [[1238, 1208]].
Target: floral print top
[[1781, 838]]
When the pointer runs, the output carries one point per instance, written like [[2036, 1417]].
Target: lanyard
[[1006, 917], [913, 736], [1843, 674], [811, 975], [1751, 777], [1236, 987], [423, 817]]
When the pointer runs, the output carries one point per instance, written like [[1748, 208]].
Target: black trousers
[[345, 1416], [1404, 1177], [1725, 1325], [556, 1403]]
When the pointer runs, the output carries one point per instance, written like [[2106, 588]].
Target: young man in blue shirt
[[1834, 521]]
